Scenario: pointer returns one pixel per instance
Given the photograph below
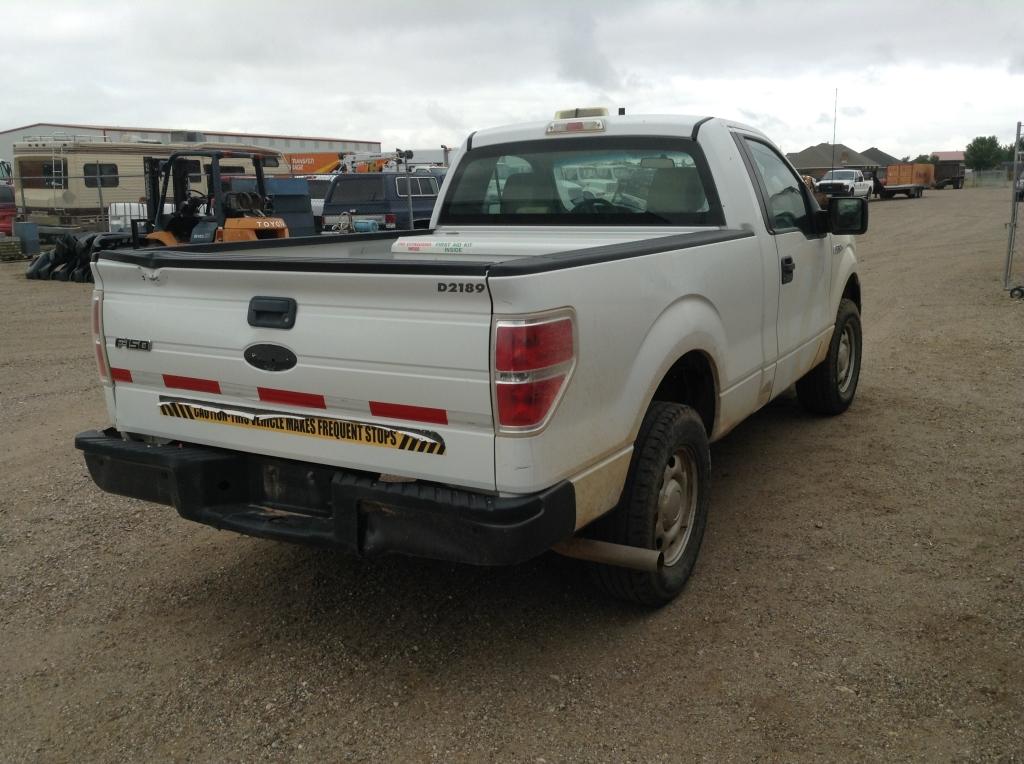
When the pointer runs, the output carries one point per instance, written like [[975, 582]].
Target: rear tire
[[664, 505], [828, 389]]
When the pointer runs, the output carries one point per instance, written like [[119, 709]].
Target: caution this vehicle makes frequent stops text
[[544, 367]]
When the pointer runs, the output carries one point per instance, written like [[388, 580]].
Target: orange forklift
[[195, 216]]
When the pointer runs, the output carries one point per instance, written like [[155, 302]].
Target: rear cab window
[[649, 181]]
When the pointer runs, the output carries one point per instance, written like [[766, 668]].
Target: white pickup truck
[[538, 370], [845, 183]]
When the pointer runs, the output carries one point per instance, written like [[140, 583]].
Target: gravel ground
[[859, 596]]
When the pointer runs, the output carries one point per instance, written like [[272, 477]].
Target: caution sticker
[[326, 428]]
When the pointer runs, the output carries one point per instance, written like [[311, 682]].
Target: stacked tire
[[69, 260]]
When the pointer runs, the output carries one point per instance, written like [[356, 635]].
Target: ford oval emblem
[[270, 357]]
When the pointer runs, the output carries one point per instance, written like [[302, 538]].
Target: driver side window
[[787, 205]]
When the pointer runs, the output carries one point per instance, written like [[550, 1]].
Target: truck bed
[[379, 350]]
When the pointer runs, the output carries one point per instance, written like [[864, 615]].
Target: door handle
[[272, 312], [788, 267]]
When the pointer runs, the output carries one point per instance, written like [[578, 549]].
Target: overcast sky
[[913, 75]]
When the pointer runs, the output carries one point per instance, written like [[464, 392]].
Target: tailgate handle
[[272, 312]]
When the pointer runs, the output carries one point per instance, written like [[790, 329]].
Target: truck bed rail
[[305, 254]]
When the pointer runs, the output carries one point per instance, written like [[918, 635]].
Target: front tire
[[664, 505], [828, 389]]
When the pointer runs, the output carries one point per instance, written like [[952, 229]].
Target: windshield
[[584, 181], [840, 175]]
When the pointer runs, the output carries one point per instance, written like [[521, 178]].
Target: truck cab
[[383, 198], [845, 183]]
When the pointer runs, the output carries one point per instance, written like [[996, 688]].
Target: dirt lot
[[860, 594]]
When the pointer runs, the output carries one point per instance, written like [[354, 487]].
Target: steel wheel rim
[[677, 505], [846, 359]]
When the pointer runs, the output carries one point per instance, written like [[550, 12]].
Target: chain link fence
[[987, 178], [93, 202]]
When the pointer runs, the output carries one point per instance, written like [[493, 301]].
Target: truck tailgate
[[390, 374]]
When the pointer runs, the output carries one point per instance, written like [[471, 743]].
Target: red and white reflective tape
[[280, 397]]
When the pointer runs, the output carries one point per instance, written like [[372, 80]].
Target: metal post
[[408, 183], [1008, 272], [99, 193]]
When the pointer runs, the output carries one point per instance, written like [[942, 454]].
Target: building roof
[[814, 157], [177, 130], [949, 156], [883, 159]]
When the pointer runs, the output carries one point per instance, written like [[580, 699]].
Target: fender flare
[[690, 323], [845, 267]]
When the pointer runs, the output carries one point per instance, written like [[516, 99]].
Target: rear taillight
[[533, 359], [99, 343]]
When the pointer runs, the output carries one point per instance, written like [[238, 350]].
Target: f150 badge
[[130, 344]]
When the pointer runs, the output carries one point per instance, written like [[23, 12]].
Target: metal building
[[282, 143]]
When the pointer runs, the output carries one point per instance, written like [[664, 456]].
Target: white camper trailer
[[72, 180]]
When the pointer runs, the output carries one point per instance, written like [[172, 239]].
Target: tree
[[925, 159], [1008, 150], [984, 153]]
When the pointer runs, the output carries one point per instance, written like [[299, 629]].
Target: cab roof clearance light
[[562, 127]]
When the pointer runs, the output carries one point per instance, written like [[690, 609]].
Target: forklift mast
[[167, 183], [151, 169], [177, 181]]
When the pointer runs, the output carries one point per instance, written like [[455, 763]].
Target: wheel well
[[691, 381], [852, 291]]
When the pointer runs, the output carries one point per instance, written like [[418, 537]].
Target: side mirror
[[847, 215]]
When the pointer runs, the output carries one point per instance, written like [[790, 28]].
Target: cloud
[[765, 122], [445, 118], [420, 74], [579, 56]]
